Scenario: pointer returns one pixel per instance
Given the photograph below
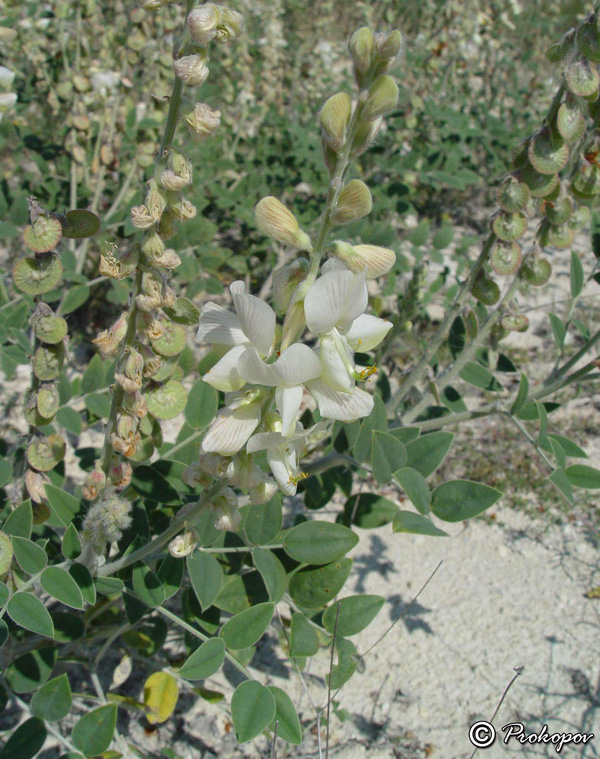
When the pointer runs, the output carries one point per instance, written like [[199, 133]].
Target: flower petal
[[253, 369], [220, 326], [367, 331], [225, 373], [288, 400], [297, 364], [336, 362], [262, 441], [237, 288], [345, 407], [257, 320], [336, 299], [231, 429], [284, 466]]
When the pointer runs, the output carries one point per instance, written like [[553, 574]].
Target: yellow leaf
[[160, 697]]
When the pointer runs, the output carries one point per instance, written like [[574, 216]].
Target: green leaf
[[74, 298], [408, 521], [561, 482], [67, 626], [148, 482], [53, 700], [427, 452], [346, 664], [377, 421], [63, 504], [29, 612], [20, 521], [31, 557], [170, 573], [263, 521], [71, 545], [147, 587], [93, 733], [368, 511], [3, 594], [559, 330], [29, 671], [582, 476], [26, 741], [160, 697], [304, 640], [93, 377], [286, 720], [205, 661], [577, 276], [415, 486], [3, 637], [98, 405], [272, 572], [312, 587], [59, 584], [457, 500], [477, 375], [355, 613], [387, 456], [569, 447], [70, 420], [319, 542], [522, 394], [206, 577], [252, 710], [109, 586], [243, 630], [201, 407], [443, 237], [85, 582], [6, 472]]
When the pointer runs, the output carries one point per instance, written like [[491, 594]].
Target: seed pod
[[202, 122], [31, 413], [6, 554], [581, 217], [588, 39], [36, 482], [335, 117], [43, 234], [515, 323], [36, 276], [276, 221], [582, 78], [44, 454], [586, 182], [540, 185], [570, 122], [192, 69], [471, 323], [202, 24], [182, 209], [486, 290], [361, 49], [506, 258], [49, 328], [172, 341], [167, 401], [167, 367], [48, 401], [79, 223], [510, 226], [135, 403], [383, 98], [513, 195], [142, 217], [536, 271], [376, 260], [47, 362], [556, 236], [558, 211], [354, 202], [548, 154]]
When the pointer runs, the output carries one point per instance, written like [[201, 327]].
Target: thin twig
[[335, 627], [518, 672]]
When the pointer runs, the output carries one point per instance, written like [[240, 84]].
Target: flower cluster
[[7, 99]]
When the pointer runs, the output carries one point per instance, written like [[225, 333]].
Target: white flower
[[227, 513], [282, 455], [334, 308], [252, 325], [6, 77], [7, 101], [295, 366]]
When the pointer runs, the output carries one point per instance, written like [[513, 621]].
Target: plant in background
[[184, 555]]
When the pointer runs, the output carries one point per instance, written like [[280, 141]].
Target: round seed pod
[[177, 373], [167, 401], [586, 182], [79, 223], [506, 258], [581, 217], [50, 329], [513, 195], [520, 154], [556, 236], [46, 453], [43, 235], [540, 185], [515, 323], [167, 367], [143, 450], [558, 211], [582, 78], [570, 122], [37, 276], [486, 290], [510, 226], [157, 436], [588, 40], [33, 416], [537, 272], [548, 154], [146, 425], [172, 341], [48, 361], [48, 401]]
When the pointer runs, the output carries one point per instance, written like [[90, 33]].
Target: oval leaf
[[205, 661], [316, 586], [147, 587], [415, 486], [355, 613], [243, 630], [201, 406], [286, 718], [206, 577], [457, 500], [26, 740], [31, 557], [272, 572], [93, 733], [252, 710], [53, 700], [59, 584], [160, 697], [408, 521], [582, 476], [29, 612], [427, 452], [319, 542]]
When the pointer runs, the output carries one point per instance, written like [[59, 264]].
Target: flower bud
[[286, 279], [230, 25], [388, 46], [374, 259], [365, 134], [109, 340], [227, 513], [335, 117], [263, 492], [131, 371], [202, 24], [383, 97], [120, 474], [354, 202], [202, 122], [106, 520], [276, 221], [361, 50], [177, 173], [35, 483], [243, 472], [194, 476], [192, 69], [184, 544]]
